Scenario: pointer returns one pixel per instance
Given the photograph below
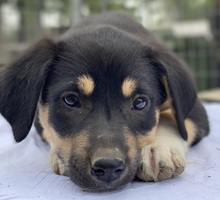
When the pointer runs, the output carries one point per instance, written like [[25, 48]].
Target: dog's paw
[[160, 162], [57, 164], [164, 158]]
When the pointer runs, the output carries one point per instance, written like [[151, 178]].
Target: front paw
[[57, 163], [160, 162]]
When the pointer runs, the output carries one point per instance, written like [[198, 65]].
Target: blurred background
[[189, 27]]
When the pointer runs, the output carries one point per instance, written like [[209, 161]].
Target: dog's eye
[[140, 103], [72, 101]]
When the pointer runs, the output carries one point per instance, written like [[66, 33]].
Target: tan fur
[[86, 84], [147, 139], [131, 142], [128, 87], [169, 115], [107, 153], [168, 103], [191, 130]]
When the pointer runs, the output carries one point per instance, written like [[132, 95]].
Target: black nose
[[108, 169]]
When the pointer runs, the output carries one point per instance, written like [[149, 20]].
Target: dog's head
[[98, 101]]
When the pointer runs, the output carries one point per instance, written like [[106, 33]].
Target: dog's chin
[[104, 188], [100, 186], [90, 183]]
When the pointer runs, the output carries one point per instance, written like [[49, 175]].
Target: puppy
[[109, 99]]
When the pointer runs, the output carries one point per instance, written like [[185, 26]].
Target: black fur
[[21, 84]]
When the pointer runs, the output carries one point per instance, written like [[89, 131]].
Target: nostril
[[119, 170], [98, 172], [108, 170]]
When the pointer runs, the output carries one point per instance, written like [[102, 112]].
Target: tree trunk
[[22, 33], [76, 10], [1, 16], [38, 7], [104, 5]]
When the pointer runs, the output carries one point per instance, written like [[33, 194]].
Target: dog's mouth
[[103, 176], [101, 180]]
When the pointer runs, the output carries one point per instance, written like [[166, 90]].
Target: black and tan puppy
[[111, 102]]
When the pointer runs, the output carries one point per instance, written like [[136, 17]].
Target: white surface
[[26, 174]]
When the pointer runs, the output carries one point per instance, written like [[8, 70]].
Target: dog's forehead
[[86, 84], [115, 82], [126, 86], [102, 70]]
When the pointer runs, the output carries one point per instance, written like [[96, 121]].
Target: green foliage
[[3, 1], [96, 6]]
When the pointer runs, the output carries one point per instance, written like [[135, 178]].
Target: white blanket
[[25, 172]]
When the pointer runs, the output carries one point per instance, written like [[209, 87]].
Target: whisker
[[41, 180]]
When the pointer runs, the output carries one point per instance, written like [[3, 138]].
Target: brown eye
[[140, 103], [72, 101]]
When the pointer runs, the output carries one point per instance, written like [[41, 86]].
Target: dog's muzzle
[[105, 166]]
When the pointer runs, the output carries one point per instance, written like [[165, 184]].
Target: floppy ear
[[180, 89], [20, 86]]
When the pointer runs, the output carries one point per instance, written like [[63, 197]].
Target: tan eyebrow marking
[[86, 84], [128, 86]]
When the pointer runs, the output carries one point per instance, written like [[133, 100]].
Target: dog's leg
[[164, 158], [57, 163]]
